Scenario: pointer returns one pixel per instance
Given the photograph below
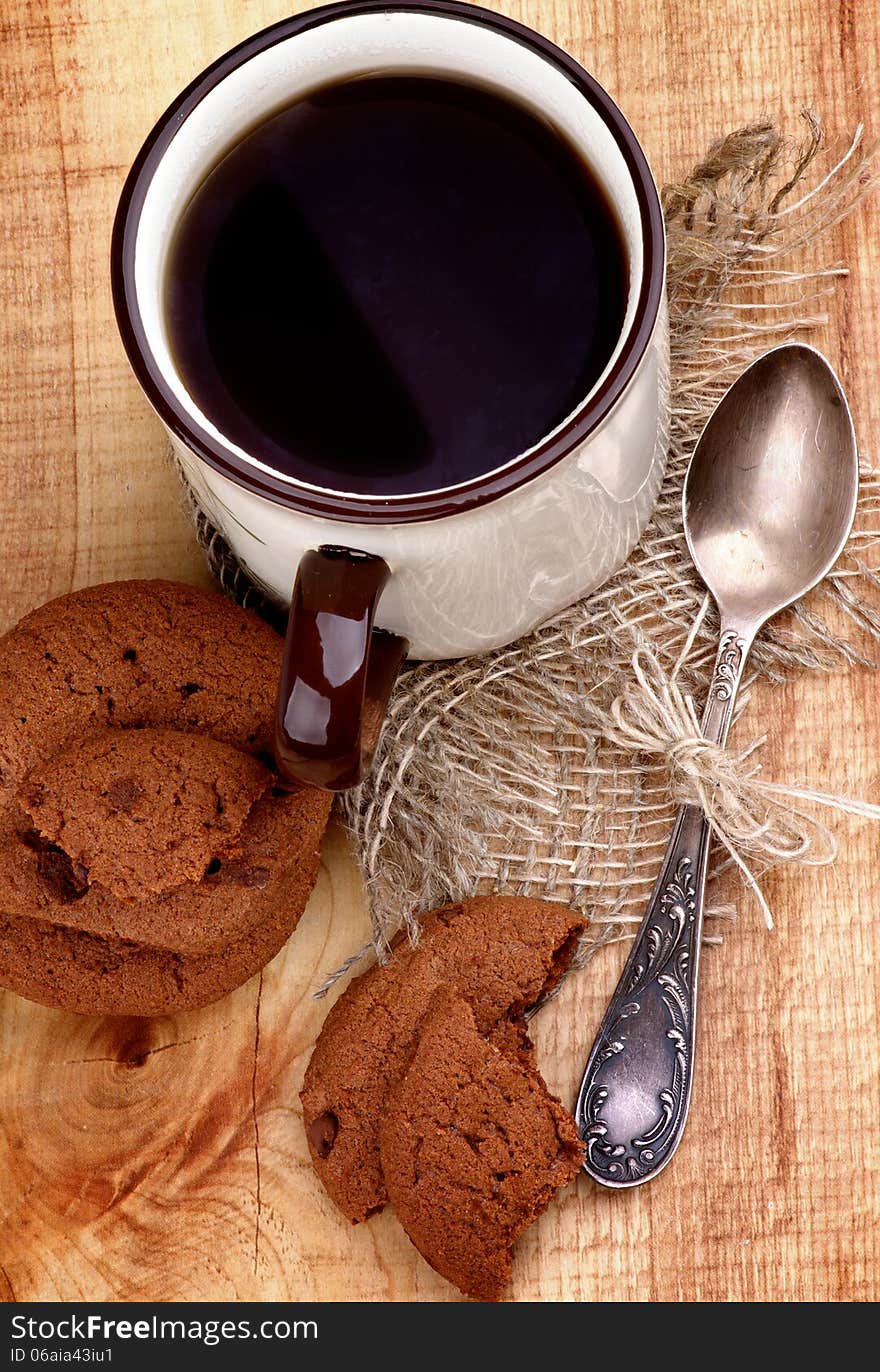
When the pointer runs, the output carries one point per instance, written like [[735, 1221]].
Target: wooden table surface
[[165, 1159]]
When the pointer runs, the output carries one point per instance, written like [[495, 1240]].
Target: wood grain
[[165, 1159]]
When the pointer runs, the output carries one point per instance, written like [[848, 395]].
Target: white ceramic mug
[[445, 573]]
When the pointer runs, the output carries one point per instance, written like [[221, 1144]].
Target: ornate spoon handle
[[634, 1098]]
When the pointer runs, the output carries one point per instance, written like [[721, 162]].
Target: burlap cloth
[[552, 767]]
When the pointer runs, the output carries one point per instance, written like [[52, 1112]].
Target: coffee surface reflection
[[394, 285]]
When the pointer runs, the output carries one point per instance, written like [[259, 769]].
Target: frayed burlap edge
[[551, 768]]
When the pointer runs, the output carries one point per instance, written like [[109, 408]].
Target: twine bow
[[751, 817]]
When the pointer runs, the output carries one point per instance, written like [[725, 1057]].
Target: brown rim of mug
[[403, 509]]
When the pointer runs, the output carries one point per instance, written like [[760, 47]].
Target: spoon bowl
[[771, 491]]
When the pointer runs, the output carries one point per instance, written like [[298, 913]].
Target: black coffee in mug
[[394, 285]]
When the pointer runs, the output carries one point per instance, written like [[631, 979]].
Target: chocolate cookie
[[148, 861], [473, 1149], [183, 948], [134, 653], [144, 810], [500, 953]]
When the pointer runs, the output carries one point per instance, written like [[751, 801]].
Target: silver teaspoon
[[769, 502]]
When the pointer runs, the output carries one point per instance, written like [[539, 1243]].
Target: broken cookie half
[[473, 1149], [501, 954]]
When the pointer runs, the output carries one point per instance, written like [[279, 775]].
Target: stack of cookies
[[423, 1091], [148, 860]]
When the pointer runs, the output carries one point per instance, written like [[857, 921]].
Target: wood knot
[[133, 1040]]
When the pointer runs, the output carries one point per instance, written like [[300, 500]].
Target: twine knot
[[693, 756], [754, 819]]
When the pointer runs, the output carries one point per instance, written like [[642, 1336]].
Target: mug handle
[[338, 670]]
